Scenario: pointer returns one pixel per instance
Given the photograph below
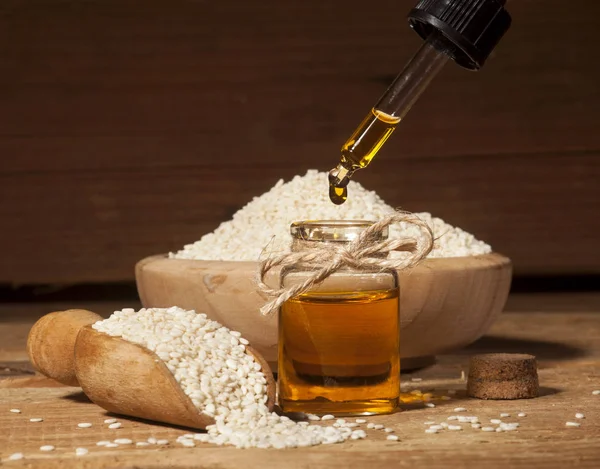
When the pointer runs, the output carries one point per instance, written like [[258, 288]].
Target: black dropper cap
[[468, 30]]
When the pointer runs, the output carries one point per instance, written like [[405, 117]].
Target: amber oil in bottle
[[339, 342]]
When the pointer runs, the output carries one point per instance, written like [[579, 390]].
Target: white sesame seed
[[162, 442], [110, 420], [313, 417], [84, 425], [496, 421], [47, 448], [142, 443], [81, 451], [429, 422], [388, 430], [596, 392], [436, 427], [499, 429], [453, 417], [360, 421], [429, 404], [327, 417], [152, 440], [460, 409], [416, 380], [16, 456], [509, 424], [521, 414], [15, 411], [444, 424], [371, 425], [488, 429], [378, 427], [475, 425], [102, 443], [573, 424], [392, 438], [36, 419], [111, 445], [113, 426], [579, 415], [454, 427], [123, 441], [431, 430], [504, 414]]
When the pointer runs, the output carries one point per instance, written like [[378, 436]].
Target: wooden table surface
[[562, 330]]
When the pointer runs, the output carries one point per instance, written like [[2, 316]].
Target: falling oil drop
[[338, 195]]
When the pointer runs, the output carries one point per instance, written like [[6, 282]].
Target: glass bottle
[[339, 342]]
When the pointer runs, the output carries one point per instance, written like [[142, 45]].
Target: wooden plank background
[[129, 128]]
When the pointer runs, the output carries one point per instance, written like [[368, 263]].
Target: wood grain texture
[[565, 343], [129, 130]]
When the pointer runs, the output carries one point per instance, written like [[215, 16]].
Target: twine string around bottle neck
[[367, 252]]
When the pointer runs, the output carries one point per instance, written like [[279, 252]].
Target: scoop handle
[[51, 343]]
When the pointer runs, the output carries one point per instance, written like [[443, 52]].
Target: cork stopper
[[503, 376]]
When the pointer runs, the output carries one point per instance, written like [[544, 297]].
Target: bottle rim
[[331, 230]]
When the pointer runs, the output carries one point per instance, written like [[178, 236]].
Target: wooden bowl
[[445, 303]]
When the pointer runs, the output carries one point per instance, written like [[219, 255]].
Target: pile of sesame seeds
[[210, 363], [265, 221]]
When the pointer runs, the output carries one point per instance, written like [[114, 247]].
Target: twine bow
[[367, 251]]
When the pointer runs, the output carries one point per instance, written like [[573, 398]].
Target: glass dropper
[[378, 125], [464, 30]]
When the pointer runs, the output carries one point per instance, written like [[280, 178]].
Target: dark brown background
[[132, 128]]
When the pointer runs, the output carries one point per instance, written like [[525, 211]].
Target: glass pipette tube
[[378, 125]]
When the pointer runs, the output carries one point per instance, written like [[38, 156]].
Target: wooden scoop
[[126, 378]]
